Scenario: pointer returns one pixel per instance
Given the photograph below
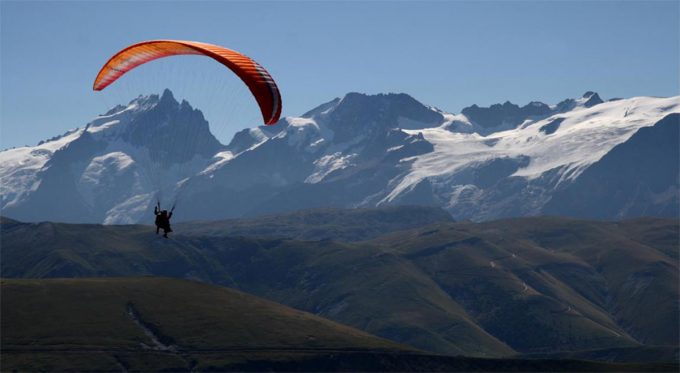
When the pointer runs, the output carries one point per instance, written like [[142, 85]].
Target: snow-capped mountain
[[581, 157], [111, 170]]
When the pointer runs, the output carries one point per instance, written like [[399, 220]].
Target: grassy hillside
[[536, 285], [319, 277], [190, 321], [152, 324], [581, 283]]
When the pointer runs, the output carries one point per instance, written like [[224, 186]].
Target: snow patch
[[131, 210], [19, 167], [327, 164], [221, 159]]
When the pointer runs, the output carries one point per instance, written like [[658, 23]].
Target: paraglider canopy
[[258, 80]]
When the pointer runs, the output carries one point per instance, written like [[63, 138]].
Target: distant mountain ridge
[[355, 151], [508, 115]]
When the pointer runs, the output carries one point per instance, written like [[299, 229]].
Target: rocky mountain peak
[[358, 113], [167, 128], [591, 99], [507, 115], [174, 129], [167, 95], [322, 109]]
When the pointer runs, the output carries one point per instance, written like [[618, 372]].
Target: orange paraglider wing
[[258, 80]]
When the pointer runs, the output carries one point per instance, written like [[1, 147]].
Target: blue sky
[[449, 54]]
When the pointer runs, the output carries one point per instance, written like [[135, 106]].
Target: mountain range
[[540, 285], [582, 157]]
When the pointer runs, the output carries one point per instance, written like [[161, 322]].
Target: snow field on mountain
[[583, 137], [19, 167]]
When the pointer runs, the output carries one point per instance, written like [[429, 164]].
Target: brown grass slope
[[94, 315]]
